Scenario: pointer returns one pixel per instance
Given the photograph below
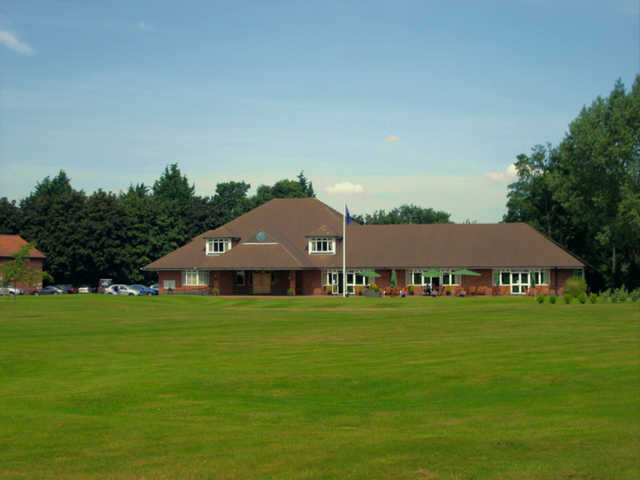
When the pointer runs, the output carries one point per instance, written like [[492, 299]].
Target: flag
[[349, 219]]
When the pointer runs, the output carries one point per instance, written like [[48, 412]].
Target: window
[[169, 284], [216, 246], [195, 278], [322, 245], [354, 279], [239, 279], [449, 278], [540, 277], [505, 278], [416, 278]]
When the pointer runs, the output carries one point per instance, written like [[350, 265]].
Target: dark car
[[142, 289], [66, 288], [154, 288], [50, 290]]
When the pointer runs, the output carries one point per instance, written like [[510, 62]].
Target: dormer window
[[322, 245], [217, 246]]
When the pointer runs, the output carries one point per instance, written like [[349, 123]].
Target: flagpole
[[344, 252]]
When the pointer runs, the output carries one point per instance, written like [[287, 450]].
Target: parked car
[[11, 290], [50, 290], [142, 289], [103, 284], [85, 289], [121, 289], [66, 288], [154, 288]]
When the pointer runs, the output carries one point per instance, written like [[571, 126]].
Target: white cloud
[[344, 188], [509, 174], [12, 42], [391, 139], [145, 27]]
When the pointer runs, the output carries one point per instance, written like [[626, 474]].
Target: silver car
[[121, 289]]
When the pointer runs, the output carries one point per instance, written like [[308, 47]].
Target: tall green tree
[[583, 193], [52, 217], [9, 217]]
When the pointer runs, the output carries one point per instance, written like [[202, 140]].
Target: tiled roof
[[287, 223], [10, 244]]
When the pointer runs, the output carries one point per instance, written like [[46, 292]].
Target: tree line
[[108, 235], [584, 193]]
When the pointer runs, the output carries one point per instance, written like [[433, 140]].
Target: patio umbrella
[[369, 274], [394, 278], [466, 272], [432, 272]]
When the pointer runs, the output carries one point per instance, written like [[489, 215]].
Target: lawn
[[300, 388]]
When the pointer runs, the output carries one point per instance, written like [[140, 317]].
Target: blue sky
[[380, 103]]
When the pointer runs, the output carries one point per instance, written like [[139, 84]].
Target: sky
[[380, 103]]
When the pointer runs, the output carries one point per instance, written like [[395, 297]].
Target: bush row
[[619, 295]]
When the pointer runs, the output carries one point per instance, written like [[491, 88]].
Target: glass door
[[519, 283]]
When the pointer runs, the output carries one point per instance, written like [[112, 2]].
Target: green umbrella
[[369, 274], [462, 272], [394, 278], [466, 272], [432, 272]]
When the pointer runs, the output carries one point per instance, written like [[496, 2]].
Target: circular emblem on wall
[[260, 236]]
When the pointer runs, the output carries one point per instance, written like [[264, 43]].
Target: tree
[[9, 217], [300, 188], [230, 201], [52, 216], [407, 214], [17, 269], [583, 193]]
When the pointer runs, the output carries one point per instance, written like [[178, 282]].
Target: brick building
[[296, 245]]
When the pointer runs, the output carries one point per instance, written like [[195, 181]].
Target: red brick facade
[[310, 282]]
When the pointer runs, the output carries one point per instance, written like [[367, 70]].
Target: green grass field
[[417, 388]]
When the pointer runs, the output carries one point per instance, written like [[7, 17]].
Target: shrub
[[567, 298], [620, 294], [359, 290], [448, 290], [290, 291], [374, 287], [410, 289], [575, 286], [540, 298], [582, 298], [553, 299], [635, 295], [593, 298], [215, 291]]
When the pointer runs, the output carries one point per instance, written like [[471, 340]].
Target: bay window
[[195, 278]]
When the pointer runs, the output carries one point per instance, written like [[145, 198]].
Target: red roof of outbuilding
[[10, 244]]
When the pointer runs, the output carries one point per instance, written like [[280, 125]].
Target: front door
[[261, 283]]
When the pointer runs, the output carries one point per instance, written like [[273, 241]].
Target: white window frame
[[543, 275], [195, 278], [169, 284], [322, 245], [218, 246], [332, 275]]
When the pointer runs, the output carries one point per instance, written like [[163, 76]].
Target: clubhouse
[[294, 246]]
